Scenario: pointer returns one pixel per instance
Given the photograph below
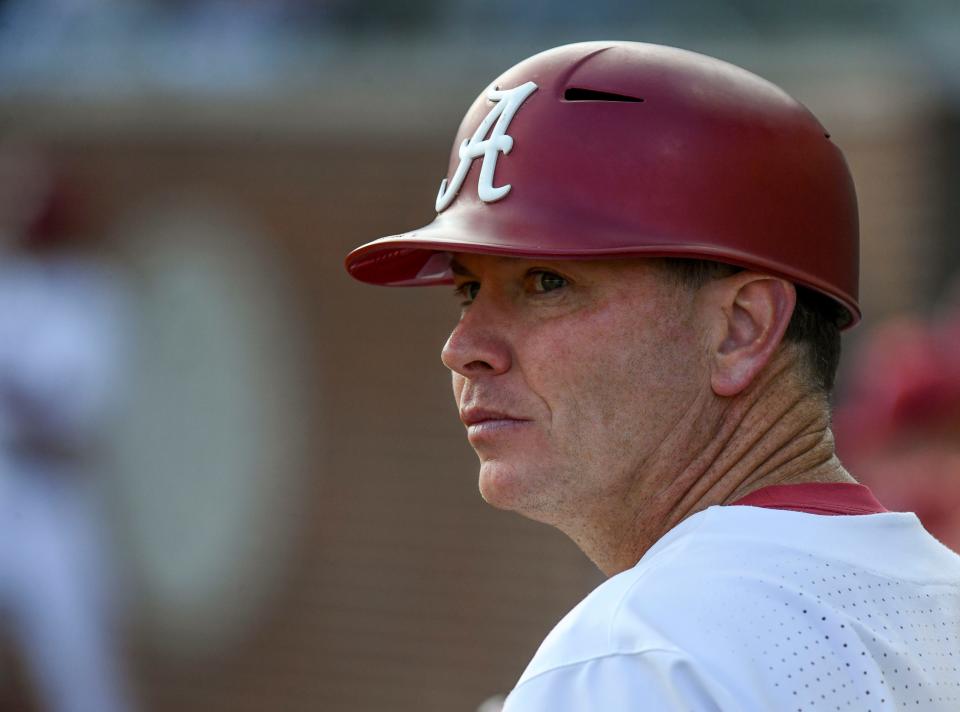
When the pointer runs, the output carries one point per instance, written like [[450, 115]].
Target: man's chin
[[511, 489]]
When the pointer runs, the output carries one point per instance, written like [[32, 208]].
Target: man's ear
[[752, 312]]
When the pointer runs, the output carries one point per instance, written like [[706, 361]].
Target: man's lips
[[483, 423], [478, 416]]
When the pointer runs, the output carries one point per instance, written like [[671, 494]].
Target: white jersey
[[741, 608]]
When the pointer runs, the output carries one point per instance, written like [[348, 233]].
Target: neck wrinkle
[[767, 435], [752, 432]]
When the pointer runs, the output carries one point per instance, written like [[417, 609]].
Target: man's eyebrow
[[458, 269]]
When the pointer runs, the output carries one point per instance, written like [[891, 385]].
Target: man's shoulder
[[743, 579], [644, 608]]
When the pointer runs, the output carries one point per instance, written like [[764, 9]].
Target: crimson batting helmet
[[614, 149]]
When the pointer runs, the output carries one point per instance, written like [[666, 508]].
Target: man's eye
[[467, 291], [547, 281]]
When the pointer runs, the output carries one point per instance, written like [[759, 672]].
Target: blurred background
[[232, 479]]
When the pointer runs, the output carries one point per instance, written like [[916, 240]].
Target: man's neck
[[720, 451]]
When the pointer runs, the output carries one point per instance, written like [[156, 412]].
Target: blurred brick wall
[[407, 593]]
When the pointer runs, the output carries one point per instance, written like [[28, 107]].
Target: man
[[656, 252]]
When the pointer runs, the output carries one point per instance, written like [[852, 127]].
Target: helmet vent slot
[[576, 94]]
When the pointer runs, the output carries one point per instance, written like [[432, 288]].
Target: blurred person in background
[[62, 339], [899, 425]]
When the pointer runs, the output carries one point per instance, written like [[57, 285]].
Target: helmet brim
[[421, 257]]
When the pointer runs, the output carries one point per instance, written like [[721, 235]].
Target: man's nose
[[477, 346]]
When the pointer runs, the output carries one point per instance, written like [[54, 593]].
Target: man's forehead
[[465, 264], [458, 268], [468, 264]]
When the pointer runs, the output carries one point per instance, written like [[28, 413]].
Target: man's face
[[569, 375]]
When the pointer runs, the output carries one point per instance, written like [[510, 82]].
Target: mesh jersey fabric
[[744, 608]]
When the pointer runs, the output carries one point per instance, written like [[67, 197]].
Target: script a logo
[[507, 101]]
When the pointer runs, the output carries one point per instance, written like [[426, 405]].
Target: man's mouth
[[483, 422]]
